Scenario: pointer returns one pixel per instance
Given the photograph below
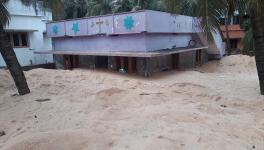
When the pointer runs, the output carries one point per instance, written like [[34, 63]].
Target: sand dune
[[217, 106]]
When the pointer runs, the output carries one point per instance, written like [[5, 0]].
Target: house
[[142, 42], [236, 35], [235, 31], [27, 33]]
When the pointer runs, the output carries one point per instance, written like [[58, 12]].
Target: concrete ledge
[[124, 54]]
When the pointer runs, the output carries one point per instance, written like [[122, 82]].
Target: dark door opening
[[123, 64], [233, 43], [132, 65], [118, 63], [71, 61], [127, 64], [101, 62], [198, 58], [175, 61]]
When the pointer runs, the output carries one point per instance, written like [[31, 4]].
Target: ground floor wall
[[143, 42], [236, 45], [27, 57], [144, 66]]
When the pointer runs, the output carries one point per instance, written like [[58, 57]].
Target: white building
[[27, 32]]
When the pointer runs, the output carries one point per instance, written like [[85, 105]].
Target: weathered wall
[[125, 23], [144, 66], [166, 41], [187, 60], [59, 61], [87, 62], [132, 43], [149, 66], [204, 56]]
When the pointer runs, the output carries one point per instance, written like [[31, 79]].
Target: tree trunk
[[12, 63], [228, 45], [258, 35]]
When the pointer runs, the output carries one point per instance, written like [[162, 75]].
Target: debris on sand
[[43, 100], [2, 133], [223, 106]]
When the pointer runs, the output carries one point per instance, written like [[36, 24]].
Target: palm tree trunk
[[258, 35], [12, 63], [228, 45]]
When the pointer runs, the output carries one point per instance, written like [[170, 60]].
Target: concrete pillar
[[130, 65], [59, 61], [148, 70], [122, 62]]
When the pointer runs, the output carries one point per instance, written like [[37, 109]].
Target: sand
[[215, 107]]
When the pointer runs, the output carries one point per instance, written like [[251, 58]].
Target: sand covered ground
[[215, 107]]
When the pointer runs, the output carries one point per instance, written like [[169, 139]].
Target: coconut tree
[[74, 9], [256, 8], [122, 5], [209, 12], [149, 4], [7, 50], [248, 41], [230, 8], [99, 7]]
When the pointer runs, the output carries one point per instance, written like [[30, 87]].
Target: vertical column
[[130, 65], [148, 67], [66, 62], [122, 62], [73, 61]]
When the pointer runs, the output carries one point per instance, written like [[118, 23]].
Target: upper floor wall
[[27, 18], [125, 23], [16, 8], [234, 31]]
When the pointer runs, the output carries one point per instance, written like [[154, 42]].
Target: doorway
[[71, 62], [198, 61], [101, 62], [175, 61], [128, 64]]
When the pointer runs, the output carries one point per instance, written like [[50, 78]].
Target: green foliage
[[102, 7], [122, 5], [248, 40], [98, 7], [74, 9], [176, 6], [56, 6], [209, 12]]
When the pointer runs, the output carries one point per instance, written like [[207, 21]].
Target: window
[[16, 40], [24, 40], [19, 39]]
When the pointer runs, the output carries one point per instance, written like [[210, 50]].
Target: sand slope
[[215, 107]]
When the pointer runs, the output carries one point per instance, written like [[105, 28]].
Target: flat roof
[[111, 14], [20, 30], [124, 54]]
